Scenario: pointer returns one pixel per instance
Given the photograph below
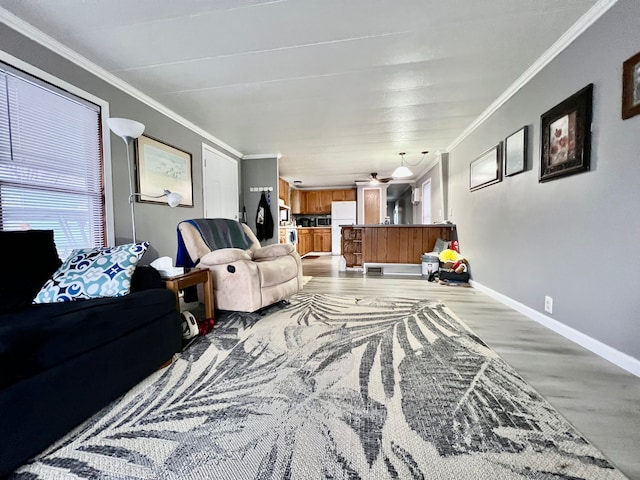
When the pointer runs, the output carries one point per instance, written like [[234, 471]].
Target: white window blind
[[50, 162]]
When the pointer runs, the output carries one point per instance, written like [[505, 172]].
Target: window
[[51, 166]]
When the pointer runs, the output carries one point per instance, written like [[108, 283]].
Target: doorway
[[219, 184], [426, 202]]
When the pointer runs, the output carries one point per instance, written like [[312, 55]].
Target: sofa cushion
[[35, 252], [39, 337], [93, 273]]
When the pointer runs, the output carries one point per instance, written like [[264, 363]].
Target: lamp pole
[[127, 142]]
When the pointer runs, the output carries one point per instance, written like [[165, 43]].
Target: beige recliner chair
[[245, 280]]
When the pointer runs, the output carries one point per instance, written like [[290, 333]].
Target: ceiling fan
[[373, 178]]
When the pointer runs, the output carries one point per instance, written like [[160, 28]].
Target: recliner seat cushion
[[275, 271], [41, 336]]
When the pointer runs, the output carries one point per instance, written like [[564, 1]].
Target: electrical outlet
[[548, 304]]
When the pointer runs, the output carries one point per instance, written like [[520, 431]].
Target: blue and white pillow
[[93, 273]]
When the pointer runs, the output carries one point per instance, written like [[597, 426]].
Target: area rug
[[330, 387]]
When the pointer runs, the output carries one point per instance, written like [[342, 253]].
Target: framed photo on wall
[[631, 87], [565, 136], [515, 152], [486, 169], [161, 167]]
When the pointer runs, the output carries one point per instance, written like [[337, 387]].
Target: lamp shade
[[173, 199], [401, 172], [125, 128]]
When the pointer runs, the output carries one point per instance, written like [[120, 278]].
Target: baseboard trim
[[618, 358]]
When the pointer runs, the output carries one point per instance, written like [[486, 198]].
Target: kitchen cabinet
[[283, 190], [314, 200], [326, 197], [343, 195], [321, 239], [298, 201], [305, 241], [318, 202]]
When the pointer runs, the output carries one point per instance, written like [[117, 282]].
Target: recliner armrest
[[271, 251], [223, 256]]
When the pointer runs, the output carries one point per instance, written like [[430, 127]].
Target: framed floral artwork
[[566, 136], [631, 87]]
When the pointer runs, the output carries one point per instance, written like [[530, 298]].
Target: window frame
[[38, 74]]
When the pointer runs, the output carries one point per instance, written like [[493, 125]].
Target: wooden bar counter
[[391, 243]]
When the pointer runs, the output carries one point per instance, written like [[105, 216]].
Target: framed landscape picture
[[565, 136], [162, 167], [515, 152], [631, 87], [486, 169]]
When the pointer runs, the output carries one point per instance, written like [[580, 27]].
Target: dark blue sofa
[[62, 362]]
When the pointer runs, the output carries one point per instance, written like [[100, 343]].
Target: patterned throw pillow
[[93, 273]]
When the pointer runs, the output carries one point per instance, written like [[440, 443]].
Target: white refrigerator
[[342, 213]]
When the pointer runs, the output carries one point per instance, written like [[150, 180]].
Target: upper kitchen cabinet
[[283, 191], [346, 195], [314, 201], [318, 202], [298, 201]]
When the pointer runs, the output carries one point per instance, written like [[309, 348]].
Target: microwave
[[323, 221]]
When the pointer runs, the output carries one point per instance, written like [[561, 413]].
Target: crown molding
[[261, 156], [67, 53], [584, 22]]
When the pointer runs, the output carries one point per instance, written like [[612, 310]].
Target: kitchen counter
[[298, 227], [391, 243], [383, 225]]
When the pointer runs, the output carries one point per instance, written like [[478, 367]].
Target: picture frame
[[631, 87], [486, 169], [161, 167], [565, 136], [515, 152]]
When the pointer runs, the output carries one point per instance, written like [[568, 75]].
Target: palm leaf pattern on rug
[[330, 387]]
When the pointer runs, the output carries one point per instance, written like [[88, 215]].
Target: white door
[[219, 184], [426, 202]]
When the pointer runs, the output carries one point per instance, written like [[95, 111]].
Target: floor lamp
[[127, 130]]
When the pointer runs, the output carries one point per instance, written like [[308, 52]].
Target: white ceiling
[[337, 87]]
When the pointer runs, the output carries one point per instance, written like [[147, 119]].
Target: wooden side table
[[189, 279]]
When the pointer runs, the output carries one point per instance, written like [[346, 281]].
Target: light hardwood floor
[[601, 400]]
